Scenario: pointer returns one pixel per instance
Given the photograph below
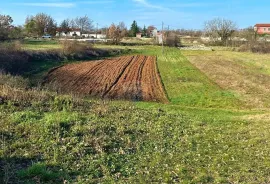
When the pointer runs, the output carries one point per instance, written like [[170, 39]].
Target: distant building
[[159, 37], [262, 28], [154, 33], [94, 35], [138, 35], [71, 33]]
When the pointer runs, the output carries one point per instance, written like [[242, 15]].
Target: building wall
[[139, 35], [263, 30], [99, 36], [70, 34]]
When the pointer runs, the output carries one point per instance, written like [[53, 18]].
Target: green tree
[[65, 26], [40, 24], [30, 26], [16, 33], [144, 31], [134, 29]]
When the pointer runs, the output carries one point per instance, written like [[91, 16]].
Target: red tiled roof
[[262, 25]]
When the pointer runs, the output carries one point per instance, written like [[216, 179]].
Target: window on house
[[268, 29], [264, 29]]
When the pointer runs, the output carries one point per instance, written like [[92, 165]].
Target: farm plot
[[128, 77]]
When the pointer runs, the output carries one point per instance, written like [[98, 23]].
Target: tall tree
[[40, 24], [134, 29], [65, 26], [16, 32], [123, 29], [248, 33], [5, 24], [220, 28], [30, 26], [144, 31], [83, 23], [114, 33]]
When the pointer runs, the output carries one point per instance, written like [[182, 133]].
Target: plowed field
[[128, 77]]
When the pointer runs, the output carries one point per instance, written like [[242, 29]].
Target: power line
[[162, 36]]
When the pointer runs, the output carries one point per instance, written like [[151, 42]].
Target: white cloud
[[146, 4], [192, 5], [56, 5], [97, 2]]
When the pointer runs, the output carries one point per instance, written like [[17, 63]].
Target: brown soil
[[128, 77]]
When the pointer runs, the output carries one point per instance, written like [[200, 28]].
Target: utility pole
[[97, 31], [162, 36]]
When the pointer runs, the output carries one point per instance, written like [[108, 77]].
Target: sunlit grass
[[200, 137]]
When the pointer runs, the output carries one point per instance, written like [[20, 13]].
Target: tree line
[[41, 23]]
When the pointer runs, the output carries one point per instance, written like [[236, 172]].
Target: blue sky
[[188, 14]]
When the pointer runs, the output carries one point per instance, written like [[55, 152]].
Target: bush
[[11, 46], [12, 58], [13, 81], [72, 47], [255, 47], [172, 40]]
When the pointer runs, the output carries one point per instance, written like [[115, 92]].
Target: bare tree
[[248, 33], [123, 29], [5, 23], [65, 26], [83, 23], [114, 33], [220, 28]]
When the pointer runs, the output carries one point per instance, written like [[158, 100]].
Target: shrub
[[172, 40], [12, 58], [255, 47], [10, 46], [72, 47], [13, 81]]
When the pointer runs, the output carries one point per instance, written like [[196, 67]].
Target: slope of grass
[[185, 84], [50, 138], [246, 74], [201, 137]]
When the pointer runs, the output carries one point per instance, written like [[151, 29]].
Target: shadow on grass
[[29, 170]]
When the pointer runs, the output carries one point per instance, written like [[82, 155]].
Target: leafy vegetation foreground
[[52, 138], [49, 139]]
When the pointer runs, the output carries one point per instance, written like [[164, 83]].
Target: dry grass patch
[[257, 118], [239, 73]]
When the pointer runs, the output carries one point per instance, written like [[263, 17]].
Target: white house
[[94, 35], [159, 38], [154, 33], [71, 33]]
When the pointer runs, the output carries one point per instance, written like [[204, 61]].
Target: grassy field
[[247, 74], [209, 133], [41, 44]]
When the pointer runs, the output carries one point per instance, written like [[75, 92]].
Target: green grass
[[245, 74], [200, 137], [95, 141], [40, 44], [185, 84]]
